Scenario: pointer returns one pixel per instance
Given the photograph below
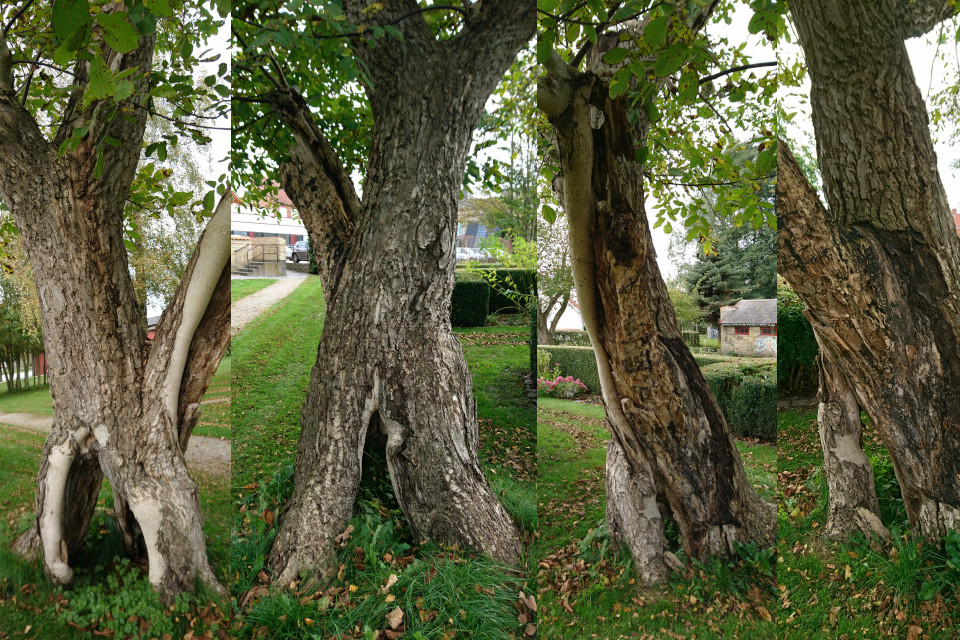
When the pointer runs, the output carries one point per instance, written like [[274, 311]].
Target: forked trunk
[[388, 359], [668, 436], [112, 403], [878, 268]]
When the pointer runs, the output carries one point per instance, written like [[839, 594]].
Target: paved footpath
[[210, 455], [246, 309]]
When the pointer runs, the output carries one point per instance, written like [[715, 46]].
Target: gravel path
[[210, 455], [246, 309]]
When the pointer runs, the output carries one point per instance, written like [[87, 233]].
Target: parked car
[[289, 249], [299, 251]]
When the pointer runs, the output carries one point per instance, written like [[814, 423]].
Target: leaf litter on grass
[[861, 587]]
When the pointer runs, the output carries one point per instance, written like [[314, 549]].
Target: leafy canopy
[[61, 70], [307, 47], [699, 90]]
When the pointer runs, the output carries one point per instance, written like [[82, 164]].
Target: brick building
[[749, 328]]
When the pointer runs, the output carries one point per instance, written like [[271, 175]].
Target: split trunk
[[389, 369], [671, 453], [878, 267]]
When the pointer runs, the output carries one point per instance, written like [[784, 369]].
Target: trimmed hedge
[[703, 361], [525, 281], [579, 362], [533, 344], [572, 338], [746, 393], [470, 303]]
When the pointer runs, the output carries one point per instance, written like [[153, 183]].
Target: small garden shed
[[749, 328]]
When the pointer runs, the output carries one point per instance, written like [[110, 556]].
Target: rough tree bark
[[878, 268], [122, 407], [388, 361], [670, 449]]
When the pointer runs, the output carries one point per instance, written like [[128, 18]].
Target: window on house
[[768, 331], [742, 331]]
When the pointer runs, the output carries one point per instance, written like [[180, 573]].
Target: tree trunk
[[878, 268], [853, 504], [663, 419], [120, 404], [388, 360]]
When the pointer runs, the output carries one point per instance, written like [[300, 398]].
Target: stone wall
[[752, 344]]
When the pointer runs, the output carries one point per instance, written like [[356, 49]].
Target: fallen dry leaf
[[392, 580], [914, 632], [530, 631], [395, 618]]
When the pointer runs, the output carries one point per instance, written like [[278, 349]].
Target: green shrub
[[578, 362], [747, 398], [507, 285], [572, 338], [796, 344], [533, 343], [470, 303], [692, 338], [746, 393], [703, 361]]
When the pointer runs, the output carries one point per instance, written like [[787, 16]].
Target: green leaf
[[180, 198], [98, 169], [668, 228], [124, 90], [656, 32], [160, 8], [118, 32], [549, 213], [101, 82], [620, 83], [544, 49], [689, 86], [208, 201], [615, 56], [68, 16], [767, 161], [671, 59], [591, 32]]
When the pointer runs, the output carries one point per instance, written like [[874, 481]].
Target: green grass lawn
[[35, 400], [219, 386], [580, 573], [104, 583], [240, 289], [709, 343], [855, 588], [274, 355], [440, 590]]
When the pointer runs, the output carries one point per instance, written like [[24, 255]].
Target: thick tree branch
[[210, 341], [495, 32], [168, 360], [387, 57], [917, 17], [312, 144]]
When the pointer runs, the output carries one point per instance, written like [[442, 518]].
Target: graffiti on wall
[[765, 343]]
